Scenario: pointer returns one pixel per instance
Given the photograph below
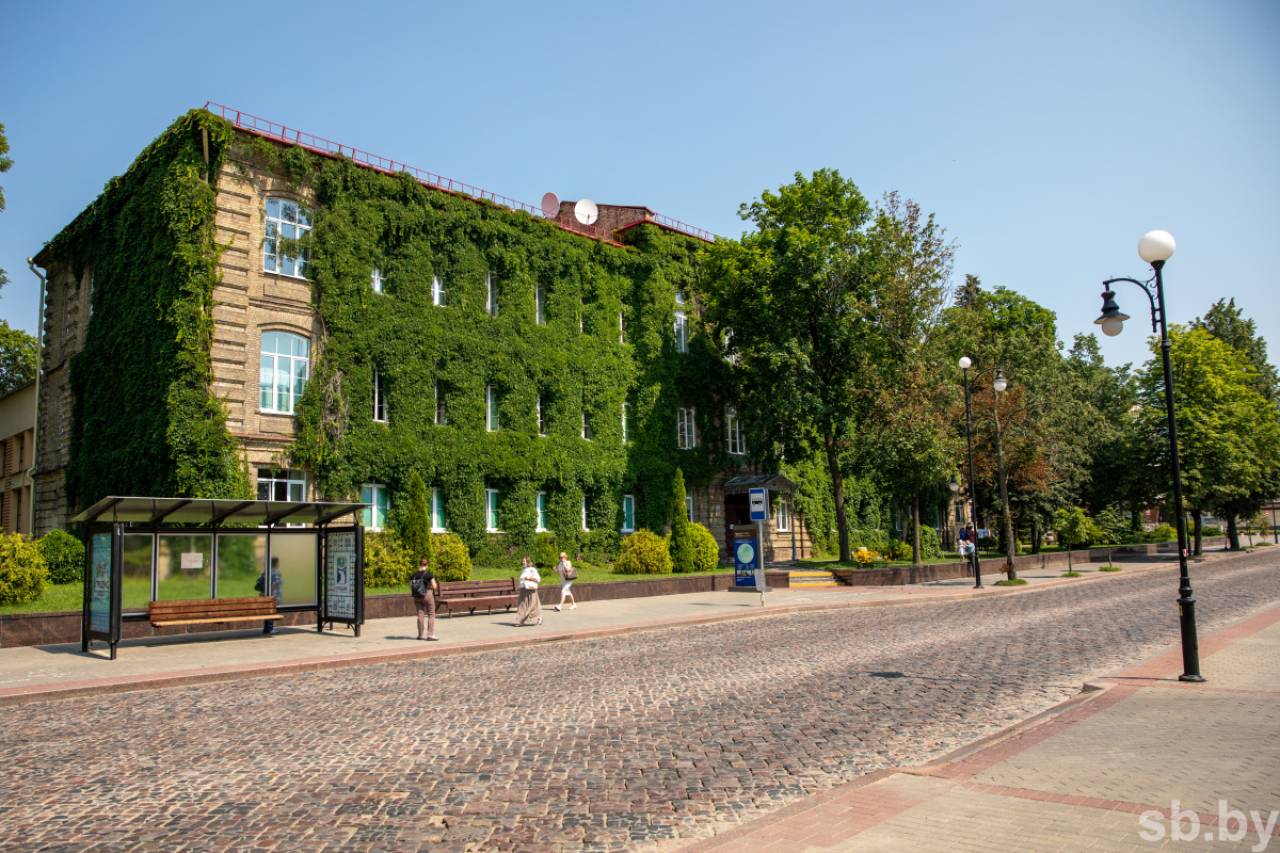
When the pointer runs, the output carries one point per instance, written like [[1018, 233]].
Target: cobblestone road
[[606, 744]]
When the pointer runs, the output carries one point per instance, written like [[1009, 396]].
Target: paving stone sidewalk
[[1142, 762]]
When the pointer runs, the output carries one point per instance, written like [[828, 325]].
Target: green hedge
[[22, 569], [644, 553], [63, 555]]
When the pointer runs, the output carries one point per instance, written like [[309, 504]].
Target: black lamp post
[[1155, 248], [965, 364]]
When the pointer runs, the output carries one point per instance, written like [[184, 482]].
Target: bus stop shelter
[[308, 555]]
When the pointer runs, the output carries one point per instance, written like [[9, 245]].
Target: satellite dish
[[586, 212], [550, 205]]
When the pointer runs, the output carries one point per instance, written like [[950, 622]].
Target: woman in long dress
[[528, 608]]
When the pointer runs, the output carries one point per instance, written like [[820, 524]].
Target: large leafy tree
[[1228, 432], [1228, 324], [796, 303], [18, 352], [5, 163]]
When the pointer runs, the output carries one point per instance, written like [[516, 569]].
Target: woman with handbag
[[424, 587], [527, 605], [568, 574]]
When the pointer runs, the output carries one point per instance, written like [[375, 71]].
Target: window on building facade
[[540, 505], [688, 507], [586, 526], [734, 438], [622, 328], [686, 428], [586, 427], [379, 500], [682, 332], [541, 412], [491, 289], [283, 368], [625, 436], [441, 418], [438, 523], [490, 408], [286, 220], [437, 291], [539, 304], [783, 514], [275, 484], [379, 397], [492, 503], [628, 513], [376, 281]]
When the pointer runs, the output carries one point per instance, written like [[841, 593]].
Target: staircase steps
[[808, 578]]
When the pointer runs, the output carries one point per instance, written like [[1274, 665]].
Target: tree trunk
[[1035, 535], [837, 492], [1010, 543], [917, 559], [1233, 534], [1198, 524]]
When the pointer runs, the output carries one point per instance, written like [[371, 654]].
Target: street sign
[[759, 504]]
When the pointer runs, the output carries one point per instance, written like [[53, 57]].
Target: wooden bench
[[472, 595], [206, 611]]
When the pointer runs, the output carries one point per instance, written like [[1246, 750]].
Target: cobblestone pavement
[[618, 743]]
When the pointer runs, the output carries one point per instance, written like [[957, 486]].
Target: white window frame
[[441, 416], [625, 437], [586, 528], [682, 331], [782, 514], [375, 517], [688, 507], [377, 282], [540, 512], [541, 417], [293, 480], [735, 441], [491, 294], [274, 228], [439, 523], [492, 508], [686, 428], [272, 362], [628, 501], [539, 305], [379, 398], [491, 420], [622, 328], [587, 434], [437, 292]]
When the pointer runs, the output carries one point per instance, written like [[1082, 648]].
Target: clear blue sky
[[1046, 137]]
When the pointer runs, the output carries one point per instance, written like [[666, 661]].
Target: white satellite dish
[[550, 205], [586, 212]]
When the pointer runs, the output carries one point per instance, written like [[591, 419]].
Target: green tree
[[415, 521], [6, 162], [1228, 432], [18, 353], [683, 555], [1228, 324]]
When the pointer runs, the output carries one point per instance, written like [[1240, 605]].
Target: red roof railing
[[327, 147]]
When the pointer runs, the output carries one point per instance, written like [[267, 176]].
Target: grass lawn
[[56, 597]]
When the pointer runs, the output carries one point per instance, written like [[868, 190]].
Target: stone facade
[[17, 435]]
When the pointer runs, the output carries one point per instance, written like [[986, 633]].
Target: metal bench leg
[[113, 651]]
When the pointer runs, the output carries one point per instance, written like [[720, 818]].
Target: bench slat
[[259, 618], [207, 611]]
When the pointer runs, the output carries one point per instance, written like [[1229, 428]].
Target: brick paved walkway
[[624, 742]]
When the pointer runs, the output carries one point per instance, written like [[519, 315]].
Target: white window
[[438, 524], [625, 438], [376, 281], [733, 432], [542, 416], [491, 288], [539, 305], [492, 502], [437, 291], [682, 332], [622, 328], [679, 297], [281, 485], [585, 515], [586, 427], [379, 398], [440, 413], [686, 428], [688, 507], [283, 368], [490, 408], [783, 514], [540, 504], [375, 494], [628, 513], [286, 220]]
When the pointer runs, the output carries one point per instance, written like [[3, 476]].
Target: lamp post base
[[1190, 643]]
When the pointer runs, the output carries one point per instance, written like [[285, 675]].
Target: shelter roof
[[215, 512]]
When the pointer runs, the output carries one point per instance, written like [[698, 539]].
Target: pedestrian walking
[[425, 588], [269, 625], [528, 608], [967, 540], [568, 574]]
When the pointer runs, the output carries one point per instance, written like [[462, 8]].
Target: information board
[[340, 576], [759, 504], [744, 563], [100, 584]]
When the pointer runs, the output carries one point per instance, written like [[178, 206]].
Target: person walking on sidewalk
[[424, 587], [528, 607], [568, 574]]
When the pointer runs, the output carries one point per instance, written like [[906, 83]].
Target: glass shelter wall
[[242, 557], [296, 553], [184, 563]]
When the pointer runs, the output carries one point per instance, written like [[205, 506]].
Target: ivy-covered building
[[253, 311]]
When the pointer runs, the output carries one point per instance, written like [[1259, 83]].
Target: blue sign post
[[759, 512]]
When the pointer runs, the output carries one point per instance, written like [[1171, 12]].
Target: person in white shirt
[[528, 608], [568, 574]]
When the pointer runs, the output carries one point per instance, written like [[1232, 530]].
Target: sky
[[1046, 137]]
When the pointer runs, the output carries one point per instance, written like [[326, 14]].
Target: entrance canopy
[[745, 482], [214, 512]]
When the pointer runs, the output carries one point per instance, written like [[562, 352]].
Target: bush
[[682, 555], [899, 551], [545, 552], [1163, 533], [706, 551], [871, 538], [414, 525], [22, 569], [386, 561], [452, 562], [63, 556], [644, 553], [1210, 530], [930, 544]]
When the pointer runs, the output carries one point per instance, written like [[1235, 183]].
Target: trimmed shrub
[[682, 555], [545, 552], [22, 569], [899, 551], [930, 543], [451, 561], [415, 524], [644, 553], [386, 561], [63, 556], [705, 549], [1207, 530], [1163, 533]]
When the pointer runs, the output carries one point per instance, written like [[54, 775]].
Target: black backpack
[[420, 583]]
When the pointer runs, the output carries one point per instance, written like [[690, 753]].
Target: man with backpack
[[424, 587]]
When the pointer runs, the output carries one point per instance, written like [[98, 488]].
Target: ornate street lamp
[[1155, 248], [965, 364]]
